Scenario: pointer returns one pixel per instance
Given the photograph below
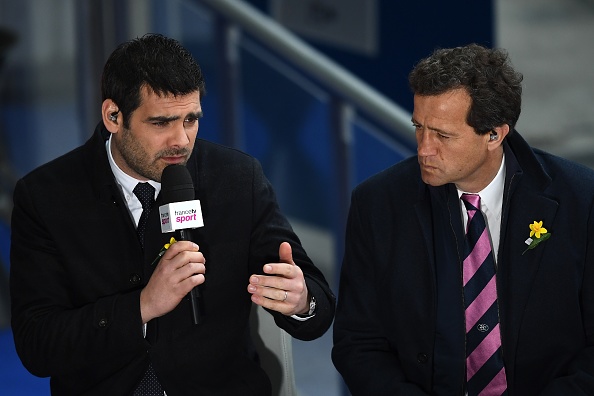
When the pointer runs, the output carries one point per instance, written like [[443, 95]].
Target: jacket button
[[135, 279], [422, 358], [102, 322]]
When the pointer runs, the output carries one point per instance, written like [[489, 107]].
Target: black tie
[[146, 195], [149, 385]]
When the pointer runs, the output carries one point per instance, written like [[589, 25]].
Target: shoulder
[[205, 150], [85, 162], [213, 165], [65, 169], [548, 171], [566, 173], [210, 157], [399, 181]]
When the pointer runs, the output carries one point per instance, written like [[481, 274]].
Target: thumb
[[285, 253]]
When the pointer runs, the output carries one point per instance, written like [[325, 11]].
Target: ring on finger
[[286, 294]]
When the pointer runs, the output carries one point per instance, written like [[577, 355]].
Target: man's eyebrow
[[162, 119], [193, 114], [434, 129], [439, 130]]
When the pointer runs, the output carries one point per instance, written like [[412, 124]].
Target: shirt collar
[[492, 195]]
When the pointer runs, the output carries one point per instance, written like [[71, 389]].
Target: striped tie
[[485, 374]]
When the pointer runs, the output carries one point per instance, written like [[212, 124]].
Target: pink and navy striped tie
[[485, 373]]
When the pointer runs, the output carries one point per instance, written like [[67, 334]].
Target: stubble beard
[[140, 161]]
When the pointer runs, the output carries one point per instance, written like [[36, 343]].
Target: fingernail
[[254, 279]]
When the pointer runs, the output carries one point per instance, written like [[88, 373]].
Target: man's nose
[[179, 136], [426, 144]]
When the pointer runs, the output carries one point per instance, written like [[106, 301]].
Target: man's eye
[[160, 123], [190, 121]]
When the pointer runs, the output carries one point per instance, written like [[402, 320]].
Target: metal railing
[[329, 73]]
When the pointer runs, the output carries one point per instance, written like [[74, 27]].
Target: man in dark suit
[[406, 321], [92, 310]]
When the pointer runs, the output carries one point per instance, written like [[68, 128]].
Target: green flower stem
[[536, 241], [161, 253]]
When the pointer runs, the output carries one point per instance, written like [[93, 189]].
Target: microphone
[[181, 213]]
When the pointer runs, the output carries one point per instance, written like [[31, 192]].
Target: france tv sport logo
[[181, 215]]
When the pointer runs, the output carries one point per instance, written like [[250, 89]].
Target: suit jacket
[[386, 321], [77, 269]]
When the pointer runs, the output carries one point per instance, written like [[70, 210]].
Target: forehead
[[451, 106], [150, 100]]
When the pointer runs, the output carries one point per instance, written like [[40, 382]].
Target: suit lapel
[[517, 270], [423, 209], [106, 188], [524, 203]]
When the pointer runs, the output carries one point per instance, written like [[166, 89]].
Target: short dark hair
[[153, 61], [495, 88]]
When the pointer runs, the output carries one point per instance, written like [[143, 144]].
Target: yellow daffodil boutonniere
[[163, 250], [539, 233]]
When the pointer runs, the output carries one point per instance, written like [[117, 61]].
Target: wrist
[[145, 314], [311, 307]]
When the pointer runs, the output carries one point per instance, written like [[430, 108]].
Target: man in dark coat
[[402, 325], [95, 308]]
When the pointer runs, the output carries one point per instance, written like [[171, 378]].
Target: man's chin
[[432, 180]]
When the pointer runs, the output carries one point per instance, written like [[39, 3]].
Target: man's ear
[[497, 135], [109, 114]]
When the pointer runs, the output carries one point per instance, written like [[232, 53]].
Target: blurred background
[[315, 89]]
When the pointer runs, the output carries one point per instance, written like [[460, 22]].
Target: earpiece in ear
[[113, 116], [493, 136]]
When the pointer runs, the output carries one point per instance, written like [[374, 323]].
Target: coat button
[[102, 322], [422, 358], [135, 279]]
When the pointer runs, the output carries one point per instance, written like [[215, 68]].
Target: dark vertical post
[[227, 36]]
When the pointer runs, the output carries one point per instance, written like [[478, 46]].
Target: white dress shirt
[[491, 206]]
